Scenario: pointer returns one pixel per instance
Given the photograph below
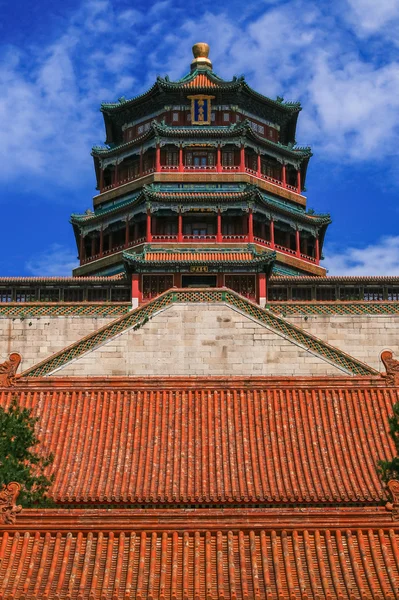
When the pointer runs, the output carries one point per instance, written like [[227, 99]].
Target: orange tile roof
[[198, 256], [238, 445], [175, 565], [200, 81]]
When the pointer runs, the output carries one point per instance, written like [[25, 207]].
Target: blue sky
[[59, 61]]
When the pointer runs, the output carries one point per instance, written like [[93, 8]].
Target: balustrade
[[204, 168]]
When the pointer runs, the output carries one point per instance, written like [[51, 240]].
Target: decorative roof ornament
[[8, 507], [8, 370], [392, 368], [393, 489], [201, 60]]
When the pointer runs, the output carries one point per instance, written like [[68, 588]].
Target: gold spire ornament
[[201, 60]]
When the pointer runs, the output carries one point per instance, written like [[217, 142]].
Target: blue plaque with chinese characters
[[201, 110]]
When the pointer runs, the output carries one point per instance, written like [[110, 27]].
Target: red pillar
[[218, 159], [136, 292], [272, 233], [250, 226], [180, 227], [284, 175], [81, 249], [101, 180], [242, 159], [149, 234], [141, 163], [317, 250], [220, 279], [127, 233], [158, 158], [258, 169], [262, 289], [177, 280], [219, 227], [298, 181], [297, 243], [181, 165]]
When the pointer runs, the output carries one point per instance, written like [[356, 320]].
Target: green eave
[[235, 84], [237, 129]]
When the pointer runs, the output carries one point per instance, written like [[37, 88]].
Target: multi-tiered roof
[[232, 181]]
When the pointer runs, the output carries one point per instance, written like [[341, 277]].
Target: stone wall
[[362, 336], [37, 338], [203, 339]]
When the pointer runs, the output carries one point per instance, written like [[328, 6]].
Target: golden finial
[[201, 52]]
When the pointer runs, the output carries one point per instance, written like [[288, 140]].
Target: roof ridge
[[140, 315]]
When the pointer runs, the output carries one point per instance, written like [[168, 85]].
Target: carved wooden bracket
[[8, 497], [8, 370], [392, 368]]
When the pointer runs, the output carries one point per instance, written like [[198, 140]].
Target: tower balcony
[[192, 229], [198, 162]]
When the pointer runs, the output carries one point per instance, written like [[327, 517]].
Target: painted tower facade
[[200, 185]]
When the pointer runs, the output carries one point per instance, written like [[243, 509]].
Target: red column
[[317, 250], [242, 159], [157, 158], [180, 227], [220, 279], [250, 226], [136, 292], [149, 234], [218, 159], [81, 248], [101, 180], [258, 169], [284, 175], [101, 241], [272, 233], [262, 289], [127, 233], [219, 227], [177, 280], [298, 181], [297, 243], [181, 165], [141, 163]]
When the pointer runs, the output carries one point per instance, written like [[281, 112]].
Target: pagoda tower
[[200, 185]]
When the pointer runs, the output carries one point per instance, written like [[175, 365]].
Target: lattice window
[[301, 293], [327, 294], [172, 158], [228, 158], [393, 293], [242, 284], [373, 294], [25, 295], [153, 285], [350, 293], [49, 295], [97, 294], [73, 295], [120, 294], [278, 293], [5, 295]]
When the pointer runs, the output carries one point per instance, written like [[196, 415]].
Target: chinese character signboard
[[201, 110]]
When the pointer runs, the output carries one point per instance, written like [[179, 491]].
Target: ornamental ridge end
[[8, 370]]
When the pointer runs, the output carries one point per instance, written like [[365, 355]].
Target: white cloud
[[57, 261], [369, 17], [49, 115], [381, 258]]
